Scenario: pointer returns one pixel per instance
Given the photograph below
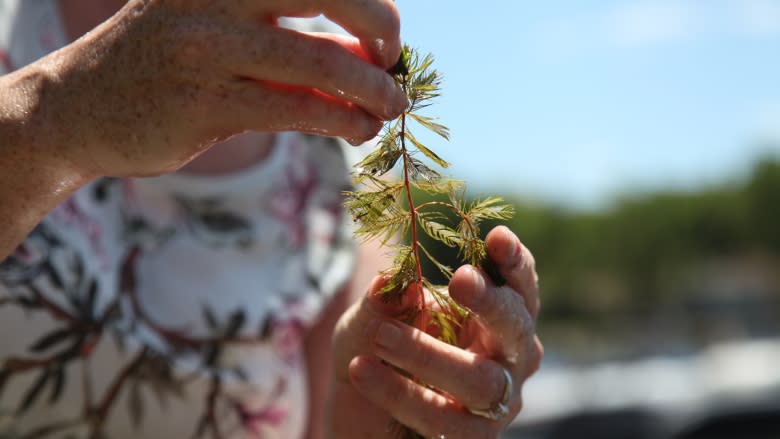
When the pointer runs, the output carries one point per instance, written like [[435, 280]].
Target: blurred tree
[[762, 195], [603, 268]]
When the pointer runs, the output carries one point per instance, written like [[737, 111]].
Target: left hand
[[498, 337]]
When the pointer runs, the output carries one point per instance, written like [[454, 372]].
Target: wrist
[[36, 174], [33, 127]]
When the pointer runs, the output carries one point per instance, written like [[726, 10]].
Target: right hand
[[500, 336], [163, 80]]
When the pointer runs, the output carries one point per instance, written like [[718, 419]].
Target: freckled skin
[[189, 84], [162, 80]]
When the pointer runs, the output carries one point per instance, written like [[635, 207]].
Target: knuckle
[[190, 43], [526, 326], [506, 311], [490, 386], [422, 359], [188, 49], [394, 395], [534, 357]]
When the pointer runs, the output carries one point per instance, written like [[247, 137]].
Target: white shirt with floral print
[[200, 286]]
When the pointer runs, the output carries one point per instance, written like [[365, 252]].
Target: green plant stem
[[413, 218]]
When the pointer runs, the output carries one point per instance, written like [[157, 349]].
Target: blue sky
[[576, 102]]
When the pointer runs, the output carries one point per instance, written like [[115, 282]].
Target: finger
[[345, 41], [425, 411], [376, 23], [537, 354], [516, 264], [473, 380], [310, 60], [501, 312], [298, 110]]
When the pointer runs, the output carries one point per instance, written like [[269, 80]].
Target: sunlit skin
[[239, 152], [501, 332], [159, 82]]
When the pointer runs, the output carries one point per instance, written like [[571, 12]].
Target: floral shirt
[[175, 305]]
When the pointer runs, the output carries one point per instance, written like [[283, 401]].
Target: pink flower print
[[289, 204], [286, 340], [253, 420], [5, 61], [334, 209]]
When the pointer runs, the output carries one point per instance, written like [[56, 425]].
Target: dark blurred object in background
[[757, 424], [620, 424]]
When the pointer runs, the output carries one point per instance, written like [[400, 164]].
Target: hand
[[162, 80], [500, 336]]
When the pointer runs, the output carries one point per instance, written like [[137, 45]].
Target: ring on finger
[[500, 409]]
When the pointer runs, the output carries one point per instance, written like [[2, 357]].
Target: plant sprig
[[385, 209]]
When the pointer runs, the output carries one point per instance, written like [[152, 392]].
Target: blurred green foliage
[[637, 255]]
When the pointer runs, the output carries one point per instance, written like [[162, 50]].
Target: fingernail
[[370, 126], [479, 286], [396, 101], [516, 247], [401, 102], [353, 141], [388, 335]]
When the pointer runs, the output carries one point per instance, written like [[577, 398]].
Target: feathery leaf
[[424, 149]]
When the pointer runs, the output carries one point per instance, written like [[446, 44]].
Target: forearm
[[35, 175]]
